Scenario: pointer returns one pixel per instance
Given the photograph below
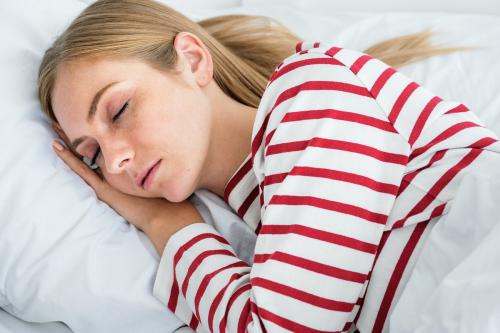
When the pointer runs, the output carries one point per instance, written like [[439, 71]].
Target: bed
[[84, 269]]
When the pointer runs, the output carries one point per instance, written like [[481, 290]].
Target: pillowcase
[[9, 323], [65, 255]]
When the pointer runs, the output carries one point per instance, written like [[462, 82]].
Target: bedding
[[58, 243], [64, 255], [454, 285], [388, 6]]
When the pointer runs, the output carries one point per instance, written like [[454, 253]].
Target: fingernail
[[57, 146]]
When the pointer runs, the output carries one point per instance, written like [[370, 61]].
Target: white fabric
[[66, 257], [10, 324], [217, 213], [445, 6], [455, 283], [214, 211], [83, 266]]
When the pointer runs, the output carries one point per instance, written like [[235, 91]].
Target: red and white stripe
[[351, 165]]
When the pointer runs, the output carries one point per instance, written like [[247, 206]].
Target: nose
[[117, 155]]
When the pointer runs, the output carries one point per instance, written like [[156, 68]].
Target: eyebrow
[[92, 111]]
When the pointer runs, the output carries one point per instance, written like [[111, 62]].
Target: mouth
[[145, 180]]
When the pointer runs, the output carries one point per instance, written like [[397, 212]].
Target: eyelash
[[115, 117]]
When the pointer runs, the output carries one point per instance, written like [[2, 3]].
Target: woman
[[338, 162]]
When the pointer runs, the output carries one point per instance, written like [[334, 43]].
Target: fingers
[[78, 166]]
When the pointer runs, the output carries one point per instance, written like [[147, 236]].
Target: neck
[[230, 141]]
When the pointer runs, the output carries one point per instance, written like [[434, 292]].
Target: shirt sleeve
[[329, 154]]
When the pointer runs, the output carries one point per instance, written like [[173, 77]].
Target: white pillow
[[9, 324], [64, 255]]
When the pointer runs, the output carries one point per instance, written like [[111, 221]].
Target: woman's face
[[142, 117]]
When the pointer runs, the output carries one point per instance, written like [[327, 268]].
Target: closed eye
[[124, 107], [114, 119], [96, 155]]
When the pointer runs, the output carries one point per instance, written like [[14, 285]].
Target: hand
[[157, 217]]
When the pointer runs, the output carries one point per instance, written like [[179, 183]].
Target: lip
[[148, 181], [140, 180]]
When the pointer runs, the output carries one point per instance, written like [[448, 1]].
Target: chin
[[176, 196], [178, 191]]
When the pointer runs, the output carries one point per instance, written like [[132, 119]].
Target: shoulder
[[315, 58], [324, 61], [317, 76], [315, 71], [315, 66]]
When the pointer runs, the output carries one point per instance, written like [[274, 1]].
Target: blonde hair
[[245, 49]]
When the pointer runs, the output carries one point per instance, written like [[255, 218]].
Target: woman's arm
[[329, 164], [338, 137]]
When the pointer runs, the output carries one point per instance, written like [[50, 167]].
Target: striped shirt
[[351, 165]]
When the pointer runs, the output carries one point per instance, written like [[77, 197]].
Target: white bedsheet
[[213, 210], [11, 324], [455, 285]]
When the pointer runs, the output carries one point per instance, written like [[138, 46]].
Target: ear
[[196, 55]]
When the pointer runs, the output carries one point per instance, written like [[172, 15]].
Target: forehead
[[76, 84]]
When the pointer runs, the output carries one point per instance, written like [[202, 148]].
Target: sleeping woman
[[338, 162]]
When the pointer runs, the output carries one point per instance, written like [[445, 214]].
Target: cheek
[[120, 182]]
